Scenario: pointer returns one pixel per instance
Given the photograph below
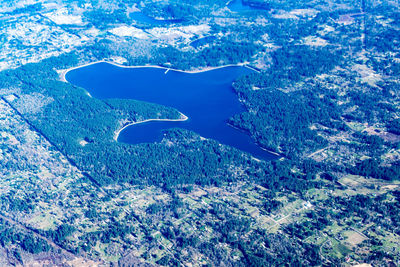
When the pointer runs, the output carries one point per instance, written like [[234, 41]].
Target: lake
[[207, 98], [240, 6]]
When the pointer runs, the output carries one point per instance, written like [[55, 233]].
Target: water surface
[[240, 6], [207, 98], [237, 6]]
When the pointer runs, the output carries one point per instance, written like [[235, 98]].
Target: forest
[[74, 116], [281, 120], [328, 109]]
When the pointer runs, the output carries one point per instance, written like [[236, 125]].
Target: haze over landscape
[[199, 133]]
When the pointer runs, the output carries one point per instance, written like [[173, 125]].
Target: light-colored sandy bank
[[63, 73], [117, 132]]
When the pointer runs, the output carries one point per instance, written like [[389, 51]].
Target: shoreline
[[262, 148], [118, 132], [63, 73]]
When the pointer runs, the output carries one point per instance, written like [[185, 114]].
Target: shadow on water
[[207, 98]]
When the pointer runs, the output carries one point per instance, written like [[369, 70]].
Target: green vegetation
[[11, 235], [326, 99]]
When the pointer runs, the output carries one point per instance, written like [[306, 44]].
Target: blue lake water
[[237, 6], [240, 6], [207, 98]]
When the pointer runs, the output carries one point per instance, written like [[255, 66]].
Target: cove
[[207, 98]]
